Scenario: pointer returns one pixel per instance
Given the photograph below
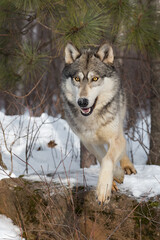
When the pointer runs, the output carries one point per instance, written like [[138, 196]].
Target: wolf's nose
[[83, 102]]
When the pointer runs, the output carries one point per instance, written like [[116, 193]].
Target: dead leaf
[[52, 144]]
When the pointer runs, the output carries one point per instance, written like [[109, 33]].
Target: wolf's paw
[[129, 169], [103, 193], [103, 196], [118, 174], [114, 187], [118, 179], [127, 166]]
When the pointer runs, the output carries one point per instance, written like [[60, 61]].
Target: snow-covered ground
[[24, 147], [8, 231]]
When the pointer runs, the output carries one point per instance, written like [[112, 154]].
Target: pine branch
[[82, 23], [141, 32]]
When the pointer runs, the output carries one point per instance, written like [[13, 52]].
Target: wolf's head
[[87, 74]]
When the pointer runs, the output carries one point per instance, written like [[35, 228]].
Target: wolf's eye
[[77, 79], [94, 79]]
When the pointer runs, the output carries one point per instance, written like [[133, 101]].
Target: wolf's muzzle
[[83, 102]]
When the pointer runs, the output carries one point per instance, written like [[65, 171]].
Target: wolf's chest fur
[[91, 128]]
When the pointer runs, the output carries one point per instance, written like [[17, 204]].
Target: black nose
[[83, 102]]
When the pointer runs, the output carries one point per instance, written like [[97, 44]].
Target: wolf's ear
[[71, 53], [105, 53]]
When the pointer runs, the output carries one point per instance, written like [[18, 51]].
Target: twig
[[29, 93]]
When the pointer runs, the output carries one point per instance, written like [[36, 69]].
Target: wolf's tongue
[[86, 110]]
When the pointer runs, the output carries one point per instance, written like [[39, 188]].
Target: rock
[[51, 211]]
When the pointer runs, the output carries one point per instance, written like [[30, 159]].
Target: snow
[[25, 139], [8, 231], [24, 144], [146, 183], [138, 140], [6, 174]]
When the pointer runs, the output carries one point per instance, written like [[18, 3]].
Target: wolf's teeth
[[86, 111]]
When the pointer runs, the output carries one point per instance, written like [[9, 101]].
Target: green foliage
[[119, 12], [33, 5], [7, 10], [82, 23], [36, 8], [30, 61], [24, 55], [141, 30]]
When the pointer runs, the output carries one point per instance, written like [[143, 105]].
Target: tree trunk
[[154, 155], [2, 164], [87, 159]]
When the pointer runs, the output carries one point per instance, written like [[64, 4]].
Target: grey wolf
[[94, 103]]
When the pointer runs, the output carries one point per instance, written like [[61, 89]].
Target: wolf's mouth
[[87, 111]]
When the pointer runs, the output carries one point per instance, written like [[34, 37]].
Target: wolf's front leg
[[104, 186], [105, 180]]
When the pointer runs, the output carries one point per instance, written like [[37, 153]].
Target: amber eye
[[77, 79], [94, 79]]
